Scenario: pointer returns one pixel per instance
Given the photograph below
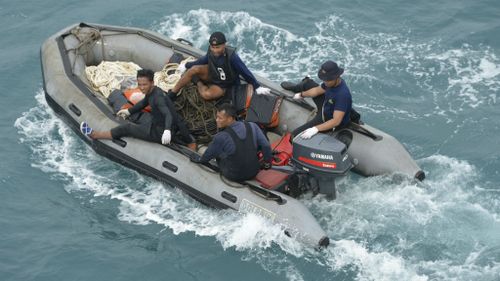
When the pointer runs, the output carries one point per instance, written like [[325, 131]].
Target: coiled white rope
[[169, 75], [111, 75]]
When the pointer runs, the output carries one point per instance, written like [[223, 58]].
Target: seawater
[[426, 73]]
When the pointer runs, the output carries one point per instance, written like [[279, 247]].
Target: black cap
[[330, 71], [217, 38]]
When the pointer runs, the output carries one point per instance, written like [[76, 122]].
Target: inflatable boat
[[305, 166]]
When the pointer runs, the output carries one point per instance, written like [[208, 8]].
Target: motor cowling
[[322, 158]]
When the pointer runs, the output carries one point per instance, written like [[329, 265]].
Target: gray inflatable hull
[[377, 153], [68, 92]]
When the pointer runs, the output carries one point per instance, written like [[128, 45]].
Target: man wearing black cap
[[336, 102], [220, 68]]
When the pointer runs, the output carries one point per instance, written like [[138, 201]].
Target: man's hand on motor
[[307, 134]]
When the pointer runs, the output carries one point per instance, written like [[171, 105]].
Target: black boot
[[304, 85]]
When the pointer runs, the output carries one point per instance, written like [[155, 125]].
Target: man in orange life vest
[[221, 68], [165, 120]]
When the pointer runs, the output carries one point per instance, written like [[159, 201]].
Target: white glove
[[307, 134], [263, 91], [165, 138], [123, 113], [298, 96], [181, 68]]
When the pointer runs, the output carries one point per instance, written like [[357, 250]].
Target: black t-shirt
[[160, 109]]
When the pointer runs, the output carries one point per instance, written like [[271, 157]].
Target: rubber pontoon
[[64, 57]]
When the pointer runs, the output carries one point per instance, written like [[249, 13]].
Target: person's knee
[[205, 94], [201, 71], [212, 92], [195, 70], [210, 95]]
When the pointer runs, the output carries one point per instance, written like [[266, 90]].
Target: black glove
[[195, 158], [266, 165]]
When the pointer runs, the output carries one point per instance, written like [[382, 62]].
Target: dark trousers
[[318, 119], [151, 133], [142, 132]]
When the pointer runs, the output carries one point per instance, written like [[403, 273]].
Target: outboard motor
[[320, 159]]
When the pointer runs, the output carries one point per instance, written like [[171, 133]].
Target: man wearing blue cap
[[336, 102], [218, 70]]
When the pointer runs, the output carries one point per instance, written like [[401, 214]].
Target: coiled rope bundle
[[198, 114], [111, 75]]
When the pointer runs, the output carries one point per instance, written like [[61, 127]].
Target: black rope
[[198, 114]]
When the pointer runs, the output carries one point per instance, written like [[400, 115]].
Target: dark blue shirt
[[239, 67], [337, 99], [222, 145]]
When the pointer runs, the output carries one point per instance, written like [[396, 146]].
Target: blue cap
[[330, 71]]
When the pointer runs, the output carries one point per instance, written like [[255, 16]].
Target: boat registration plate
[[249, 207]]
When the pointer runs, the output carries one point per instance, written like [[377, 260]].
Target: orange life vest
[[282, 150], [134, 96]]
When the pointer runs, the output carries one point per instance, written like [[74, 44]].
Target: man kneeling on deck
[[235, 147], [165, 120]]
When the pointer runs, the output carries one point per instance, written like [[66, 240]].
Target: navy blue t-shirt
[[239, 67], [337, 99]]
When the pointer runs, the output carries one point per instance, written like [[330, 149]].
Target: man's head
[[145, 80], [330, 73], [226, 115], [217, 43]]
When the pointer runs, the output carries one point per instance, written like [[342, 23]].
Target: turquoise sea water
[[427, 73]]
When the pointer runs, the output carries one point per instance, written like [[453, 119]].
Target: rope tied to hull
[[87, 38]]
